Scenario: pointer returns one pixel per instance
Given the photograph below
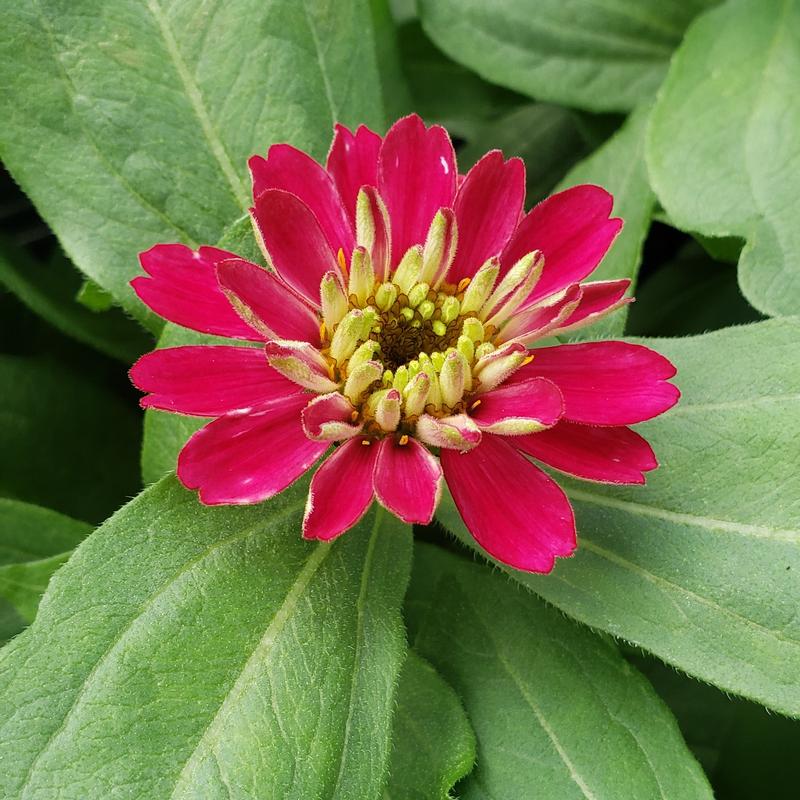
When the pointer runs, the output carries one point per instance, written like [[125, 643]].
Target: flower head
[[396, 329]]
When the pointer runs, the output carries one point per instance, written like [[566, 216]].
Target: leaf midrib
[[142, 609]]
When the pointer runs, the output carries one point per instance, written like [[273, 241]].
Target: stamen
[[342, 261], [403, 440]]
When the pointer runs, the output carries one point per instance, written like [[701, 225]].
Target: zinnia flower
[[395, 324]]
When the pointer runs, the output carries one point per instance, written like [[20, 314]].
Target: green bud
[[348, 333], [418, 294], [387, 414], [480, 287], [363, 353], [425, 309], [439, 328], [334, 300], [483, 350], [466, 347], [473, 329], [361, 378], [386, 296], [452, 378], [451, 308], [400, 378], [438, 360], [409, 268]]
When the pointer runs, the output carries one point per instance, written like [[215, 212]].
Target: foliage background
[[189, 652]]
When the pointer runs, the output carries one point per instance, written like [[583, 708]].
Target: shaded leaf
[[65, 442], [702, 566], [51, 290], [723, 147], [187, 651], [593, 55], [553, 705], [130, 123], [433, 745]]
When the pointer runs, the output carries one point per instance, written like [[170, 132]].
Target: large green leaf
[[50, 290], [702, 566], [722, 147], [619, 167], [65, 442], [34, 542], [187, 651], [433, 745], [130, 123], [595, 55], [554, 706]]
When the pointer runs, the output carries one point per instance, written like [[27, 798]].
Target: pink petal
[[208, 381], [609, 455], [294, 241], [246, 459], [260, 296], [416, 177], [290, 169], [573, 231], [183, 288], [329, 417], [598, 299], [606, 383], [408, 480], [516, 512], [341, 490], [488, 207], [353, 163], [519, 408], [534, 322]]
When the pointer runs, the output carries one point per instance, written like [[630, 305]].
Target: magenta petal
[[416, 177], [249, 458], [488, 207], [209, 381], [516, 512], [353, 163], [606, 383], [290, 169], [262, 297], [573, 231], [597, 300], [294, 241], [341, 491], [609, 455], [329, 417], [408, 480], [518, 408], [183, 288]]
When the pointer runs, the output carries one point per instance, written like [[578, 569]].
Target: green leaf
[[94, 297], [130, 123], [188, 651], [722, 146], [702, 566], [553, 705], [593, 55], [619, 167], [31, 533], [34, 542], [549, 139], [65, 442], [50, 290], [433, 745]]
